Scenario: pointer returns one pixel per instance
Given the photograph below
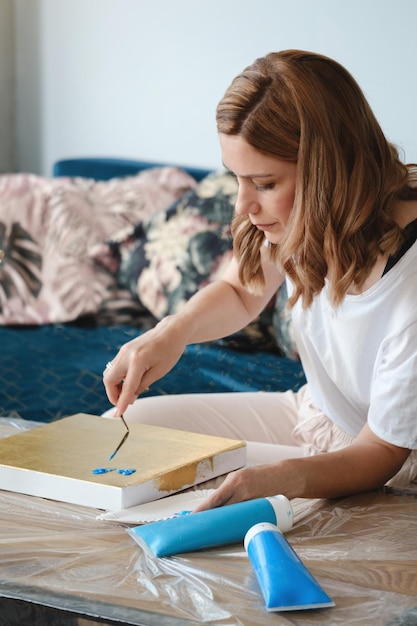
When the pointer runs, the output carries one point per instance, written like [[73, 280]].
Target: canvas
[[56, 461]]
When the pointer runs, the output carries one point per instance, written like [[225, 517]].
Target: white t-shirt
[[360, 359]]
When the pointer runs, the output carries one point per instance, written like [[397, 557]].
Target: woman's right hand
[[142, 361]]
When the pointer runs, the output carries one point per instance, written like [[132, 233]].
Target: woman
[[325, 203]]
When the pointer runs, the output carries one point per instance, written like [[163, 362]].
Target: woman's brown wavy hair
[[306, 108]]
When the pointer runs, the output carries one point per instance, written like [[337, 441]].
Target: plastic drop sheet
[[362, 550]]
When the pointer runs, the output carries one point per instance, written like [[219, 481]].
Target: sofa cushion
[[47, 228], [187, 246], [165, 259], [168, 257]]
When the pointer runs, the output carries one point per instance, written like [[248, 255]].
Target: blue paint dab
[[102, 470], [127, 472]]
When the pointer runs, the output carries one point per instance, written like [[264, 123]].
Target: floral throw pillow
[[23, 220], [187, 246], [168, 257], [47, 228]]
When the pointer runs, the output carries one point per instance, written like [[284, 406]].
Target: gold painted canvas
[[56, 461]]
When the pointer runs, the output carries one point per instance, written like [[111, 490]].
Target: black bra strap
[[411, 232]]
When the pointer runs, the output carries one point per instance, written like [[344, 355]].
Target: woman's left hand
[[243, 484]]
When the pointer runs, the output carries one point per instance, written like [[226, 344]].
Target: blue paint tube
[[215, 527], [285, 582]]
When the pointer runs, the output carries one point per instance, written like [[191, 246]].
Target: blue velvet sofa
[[51, 365]]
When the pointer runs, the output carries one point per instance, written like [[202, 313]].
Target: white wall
[[7, 87], [141, 78]]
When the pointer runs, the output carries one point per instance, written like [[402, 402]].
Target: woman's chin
[[273, 237]]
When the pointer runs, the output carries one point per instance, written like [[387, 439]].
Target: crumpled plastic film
[[379, 587], [362, 550]]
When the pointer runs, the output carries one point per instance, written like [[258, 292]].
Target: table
[[59, 564]]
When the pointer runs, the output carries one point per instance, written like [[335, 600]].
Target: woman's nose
[[245, 202]]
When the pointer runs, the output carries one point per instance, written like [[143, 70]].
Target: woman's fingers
[[139, 363]]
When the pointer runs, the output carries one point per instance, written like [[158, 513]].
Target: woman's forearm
[[225, 306], [214, 312], [366, 464]]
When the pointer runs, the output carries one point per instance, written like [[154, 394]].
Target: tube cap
[[259, 528], [283, 512]]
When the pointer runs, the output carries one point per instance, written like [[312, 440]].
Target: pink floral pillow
[[48, 228], [23, 218], [165, 259], [168, 257]]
